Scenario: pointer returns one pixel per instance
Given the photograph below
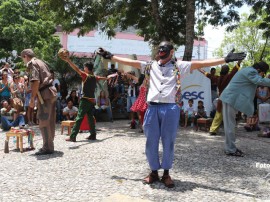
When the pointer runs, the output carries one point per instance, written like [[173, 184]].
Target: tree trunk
[[154, 52], [155, 14], [190, 22]]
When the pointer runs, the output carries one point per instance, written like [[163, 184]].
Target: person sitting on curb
[[10, 118], [252, 123], [201, 113]]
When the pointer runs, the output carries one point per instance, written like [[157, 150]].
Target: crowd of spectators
[[123, 91], [15, 93]]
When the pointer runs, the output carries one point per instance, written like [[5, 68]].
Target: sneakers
[[237, 153]]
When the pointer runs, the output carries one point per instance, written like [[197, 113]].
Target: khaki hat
[[29, 52]]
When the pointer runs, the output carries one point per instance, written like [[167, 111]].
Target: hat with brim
[[29, 52]]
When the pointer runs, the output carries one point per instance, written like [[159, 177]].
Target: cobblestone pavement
[[112, 168]]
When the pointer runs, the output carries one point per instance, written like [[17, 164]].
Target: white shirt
[[133, 90], [189, 110], [163, 80], [70, 111]]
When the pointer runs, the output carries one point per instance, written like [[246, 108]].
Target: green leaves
[[21, 26], [248, 38]]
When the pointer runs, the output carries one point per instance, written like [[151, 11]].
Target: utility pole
[[199, 48]]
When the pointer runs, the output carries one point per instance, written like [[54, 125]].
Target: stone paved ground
[[111, 169]]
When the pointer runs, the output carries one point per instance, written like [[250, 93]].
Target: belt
[[44, 87], [93, 100], [157, 103]]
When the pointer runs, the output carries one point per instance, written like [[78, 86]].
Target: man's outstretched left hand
[[234, 56]]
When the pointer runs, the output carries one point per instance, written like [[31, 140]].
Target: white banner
[[116, 46], [126, 45], [197, 86]]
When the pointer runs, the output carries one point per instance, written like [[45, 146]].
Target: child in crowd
[[140, 104], [189, 113], [262, 94], [132, 94], [27, 96], [252, 123], [182, 113], [201, 113]]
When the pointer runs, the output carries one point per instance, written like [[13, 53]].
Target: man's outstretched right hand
[[105, 54]]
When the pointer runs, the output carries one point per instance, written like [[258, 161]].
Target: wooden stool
[[19, 135], [68, 124], [204, 122]]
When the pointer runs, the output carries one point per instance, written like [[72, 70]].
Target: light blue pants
[[108, 110], [161, 122], [229, 122]]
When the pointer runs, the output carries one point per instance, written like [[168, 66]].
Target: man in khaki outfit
[[42, 88]]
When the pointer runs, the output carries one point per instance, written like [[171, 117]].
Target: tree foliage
[[247, 37], [22, 27], [155, 20], [261, 8]]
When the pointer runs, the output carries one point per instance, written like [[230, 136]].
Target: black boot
[[92, 137]]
